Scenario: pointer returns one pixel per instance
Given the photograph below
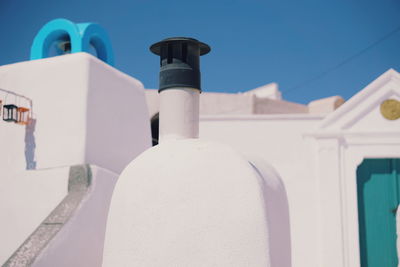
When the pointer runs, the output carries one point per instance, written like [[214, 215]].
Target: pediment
[[362, 112]]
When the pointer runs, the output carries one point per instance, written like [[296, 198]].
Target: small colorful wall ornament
[[72, 37], [23, 115], [10, 113], [390, 109]]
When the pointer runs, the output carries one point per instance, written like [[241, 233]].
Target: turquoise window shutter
[[378, 198]]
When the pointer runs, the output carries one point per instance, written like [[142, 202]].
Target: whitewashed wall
[[26, 198], [80, 242], [354, 132], [279, 140], [84, 108], [197, 203], [258, 101], [84, 112], [317, 159]]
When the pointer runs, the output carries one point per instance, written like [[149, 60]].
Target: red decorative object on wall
[[23, 115]]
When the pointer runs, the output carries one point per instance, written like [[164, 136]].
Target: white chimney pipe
[[179, 86], [179, 114]]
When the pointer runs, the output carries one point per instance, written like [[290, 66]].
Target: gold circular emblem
[[390, 109]]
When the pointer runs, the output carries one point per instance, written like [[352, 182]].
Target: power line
[[322, 74]]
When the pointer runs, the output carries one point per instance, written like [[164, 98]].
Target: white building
[[317, 151], [339, 165], [88, 120]]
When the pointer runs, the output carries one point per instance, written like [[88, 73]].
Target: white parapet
[[270, 91], [325, 105], [84, 111]]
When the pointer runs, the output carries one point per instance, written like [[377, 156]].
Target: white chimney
[[179, 86]]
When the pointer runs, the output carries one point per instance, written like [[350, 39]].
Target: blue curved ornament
[[80, 35]]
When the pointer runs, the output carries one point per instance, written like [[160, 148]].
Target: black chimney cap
[[156, 48], [179, 61]]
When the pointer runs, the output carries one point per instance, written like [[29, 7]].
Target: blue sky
[[301, 45]]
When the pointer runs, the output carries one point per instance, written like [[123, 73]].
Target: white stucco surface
[[191, 203], [80, 242], [83, 112], [325, 105], [317, 157], [355, 131], [263, 100], [277, 208], [279, 140], [270, 91], [26, 198]]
